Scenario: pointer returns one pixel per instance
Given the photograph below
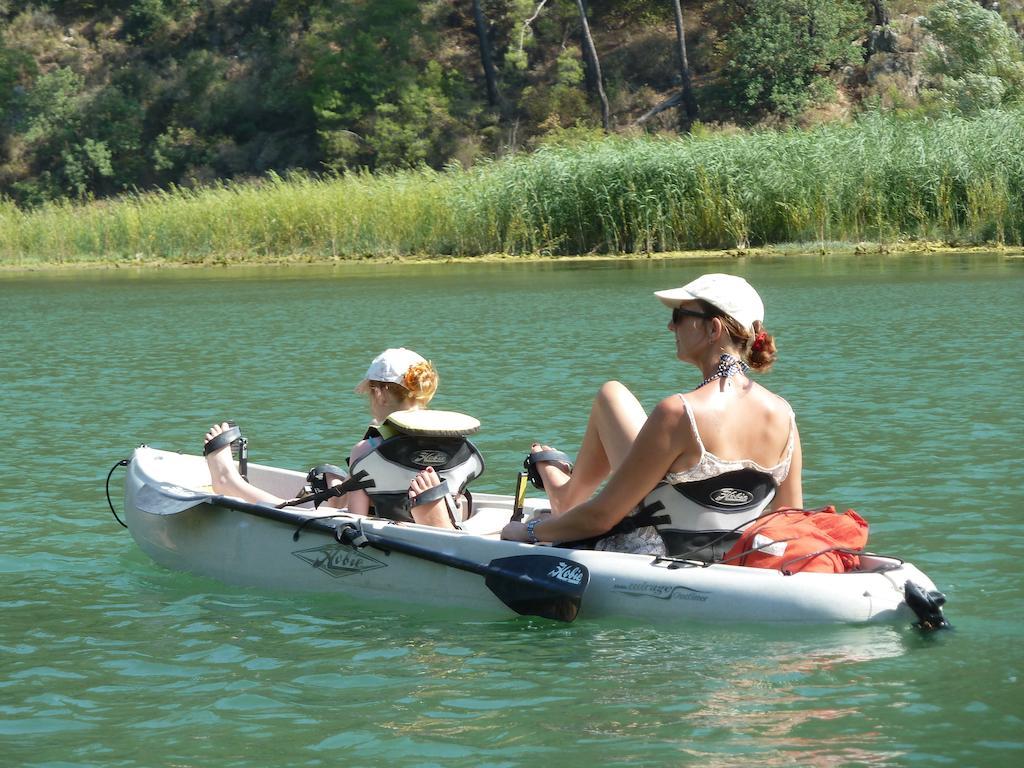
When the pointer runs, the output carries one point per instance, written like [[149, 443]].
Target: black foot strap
[[227, 437], [439, 491], [531, 460]]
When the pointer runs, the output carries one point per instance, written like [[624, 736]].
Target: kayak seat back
[[394, 463], [701, 519]]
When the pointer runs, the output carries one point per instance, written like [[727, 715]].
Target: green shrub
[[780, 51], [976, 61]]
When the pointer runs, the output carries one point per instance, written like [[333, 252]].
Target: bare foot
[[555, 475], [225, 476], [433, 513], [222, 467]]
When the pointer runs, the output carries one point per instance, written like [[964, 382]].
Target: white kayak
[[176, 519]]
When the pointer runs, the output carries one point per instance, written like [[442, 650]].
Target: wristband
[[531, 537]]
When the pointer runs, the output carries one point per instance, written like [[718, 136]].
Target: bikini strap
[[788, 457], [693, 428]]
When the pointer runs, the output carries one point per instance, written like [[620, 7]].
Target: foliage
[[137, 94], [379, 99], [16, 68], [72, 135], [879, 178], [780, 52], [99, 98], [977, 61]]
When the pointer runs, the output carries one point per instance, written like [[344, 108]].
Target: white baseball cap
[[390, 365], [729, 293]]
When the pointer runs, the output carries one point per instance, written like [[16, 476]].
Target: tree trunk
[[493, 97], [590, 55], [672, 101], [689, 100]]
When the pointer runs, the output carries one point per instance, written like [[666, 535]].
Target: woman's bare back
[[742, 423]]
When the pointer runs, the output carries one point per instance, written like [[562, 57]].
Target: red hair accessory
[[759, 341]]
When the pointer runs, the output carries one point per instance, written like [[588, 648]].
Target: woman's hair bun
[[762, 349]]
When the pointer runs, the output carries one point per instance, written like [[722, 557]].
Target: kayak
[[175, 517]]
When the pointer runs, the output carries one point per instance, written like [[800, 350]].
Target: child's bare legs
[[338, 502], [433, 513], [225, 476], [616, 418]]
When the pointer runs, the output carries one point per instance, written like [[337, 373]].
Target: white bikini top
[[712, 466]]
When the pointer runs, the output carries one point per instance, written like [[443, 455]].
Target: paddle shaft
[[376, 540], [272, 513], [386, 544]]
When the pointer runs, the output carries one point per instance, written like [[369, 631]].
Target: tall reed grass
[[879, 178]]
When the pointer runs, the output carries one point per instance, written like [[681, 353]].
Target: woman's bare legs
[[616, 418]]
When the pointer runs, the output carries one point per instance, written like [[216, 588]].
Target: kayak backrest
[[702, 519], [394, 463]]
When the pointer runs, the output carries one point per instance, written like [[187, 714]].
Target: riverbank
[[880, 180], [810, 250]]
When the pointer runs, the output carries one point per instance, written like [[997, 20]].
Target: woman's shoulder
[[697, 402], [773, 407], [773, 400], [673, 404]]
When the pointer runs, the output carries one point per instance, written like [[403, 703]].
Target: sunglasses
[[678, 313]]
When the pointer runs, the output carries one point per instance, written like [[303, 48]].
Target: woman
[[728, 445], [397, 380]]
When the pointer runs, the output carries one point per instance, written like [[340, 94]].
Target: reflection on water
[[785, 702]]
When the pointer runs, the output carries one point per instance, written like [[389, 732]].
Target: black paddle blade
[[539, 585]]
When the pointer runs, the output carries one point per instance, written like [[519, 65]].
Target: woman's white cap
[[390, 365], [733, 295]]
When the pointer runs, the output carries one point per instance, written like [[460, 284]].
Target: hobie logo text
[[571, 574], [427, 458], [731, 497]]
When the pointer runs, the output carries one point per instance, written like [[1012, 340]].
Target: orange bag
[[794, 540]]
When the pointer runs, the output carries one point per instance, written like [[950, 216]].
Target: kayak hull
[[286, 550]]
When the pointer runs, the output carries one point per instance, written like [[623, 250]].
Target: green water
[[906, 377]]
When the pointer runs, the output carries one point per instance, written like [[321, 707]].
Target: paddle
[[531, 585]]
